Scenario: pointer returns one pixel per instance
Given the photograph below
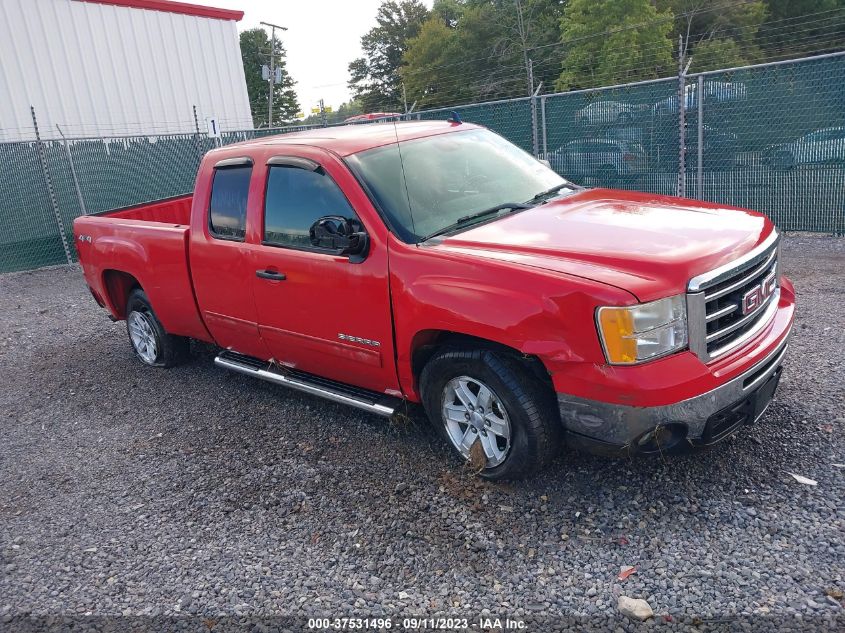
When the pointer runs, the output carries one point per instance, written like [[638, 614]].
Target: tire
[[527, 406], [151, 343]]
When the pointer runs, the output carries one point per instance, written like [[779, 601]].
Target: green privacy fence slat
[[773, 140], [779, 147], [758, 127], [30, 238], [590, 133]]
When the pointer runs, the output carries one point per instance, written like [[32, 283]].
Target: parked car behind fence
[[819, 146], [606, 161], [606, 112], [719, 149], [714, 92]]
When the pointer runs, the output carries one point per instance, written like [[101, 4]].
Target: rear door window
[[227, 210]]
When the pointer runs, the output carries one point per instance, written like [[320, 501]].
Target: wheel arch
[[118, 286], [426, 343]]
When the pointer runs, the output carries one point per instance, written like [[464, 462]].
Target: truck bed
[[143, 245], [175, 210]]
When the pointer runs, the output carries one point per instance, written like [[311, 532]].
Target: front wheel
[[150, 341], [492, 410]]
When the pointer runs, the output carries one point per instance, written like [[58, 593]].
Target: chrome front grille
[[727, 306]]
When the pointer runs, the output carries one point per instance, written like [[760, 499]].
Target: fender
[[130, 247], [542, 314]]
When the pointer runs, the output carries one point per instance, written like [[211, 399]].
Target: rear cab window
[[229, 194]]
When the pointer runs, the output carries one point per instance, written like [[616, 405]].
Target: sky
[[323, 36]]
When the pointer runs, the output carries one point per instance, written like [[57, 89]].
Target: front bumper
[[610, 428]]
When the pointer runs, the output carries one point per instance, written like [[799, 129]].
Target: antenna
[[404, 178], [455, 118]]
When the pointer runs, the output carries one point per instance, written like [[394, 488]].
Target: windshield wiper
[[510, 206], [549, 192]]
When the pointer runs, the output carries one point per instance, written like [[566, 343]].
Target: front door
[[319, 312]]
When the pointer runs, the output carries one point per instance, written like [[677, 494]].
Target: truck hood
[[647, 244]]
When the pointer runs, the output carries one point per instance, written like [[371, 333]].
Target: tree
[[801, 27], [375, 78], [721, 52], [614, 41], [531, 29], [343, 112], [454, 59], [472, 50], [427, 54], [717, 34], [255, 51]]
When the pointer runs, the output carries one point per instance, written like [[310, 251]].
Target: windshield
[[449, 177]]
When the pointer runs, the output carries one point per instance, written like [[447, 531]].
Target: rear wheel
[[492, 410], [151, 343]]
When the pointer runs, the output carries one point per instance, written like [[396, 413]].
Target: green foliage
[[799, 27], [255, 51], [717, 53], [374, 79], [425, 56], [472, 50], [717, 34], [476, 50], [343, 112], [634, 43], [446, 53]]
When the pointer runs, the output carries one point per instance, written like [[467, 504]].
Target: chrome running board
[[364, 399]]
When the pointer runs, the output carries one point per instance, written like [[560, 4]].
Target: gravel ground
[[126, 490]]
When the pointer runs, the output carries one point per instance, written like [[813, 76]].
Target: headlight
[[637, 333]]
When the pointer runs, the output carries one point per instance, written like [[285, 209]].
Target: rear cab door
[[317, 311], [220, 251]]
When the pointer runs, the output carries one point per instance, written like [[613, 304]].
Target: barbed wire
[[605, 34], [800, 35], [508, 80]]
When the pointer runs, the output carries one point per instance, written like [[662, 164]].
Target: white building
[[118, 67]]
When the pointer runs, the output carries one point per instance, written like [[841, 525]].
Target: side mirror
[[341, 236]]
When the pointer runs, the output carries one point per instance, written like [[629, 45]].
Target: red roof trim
[[176, 7]]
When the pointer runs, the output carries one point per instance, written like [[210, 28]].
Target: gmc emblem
[[757, 296]]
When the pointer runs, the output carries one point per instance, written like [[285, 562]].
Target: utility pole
[[272, 79], [404, 98]]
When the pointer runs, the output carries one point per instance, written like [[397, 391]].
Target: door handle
[[270, 274]]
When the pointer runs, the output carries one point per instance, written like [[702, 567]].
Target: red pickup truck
[[435, 262]]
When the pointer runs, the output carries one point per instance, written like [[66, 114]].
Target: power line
[[797, 26], [771, 35], [602, 34]]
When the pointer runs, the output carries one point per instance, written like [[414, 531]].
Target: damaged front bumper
[[615, 429]]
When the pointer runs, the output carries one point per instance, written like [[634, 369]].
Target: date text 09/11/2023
[[485, 623]]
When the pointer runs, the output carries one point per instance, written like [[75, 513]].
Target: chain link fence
[[768, 137]]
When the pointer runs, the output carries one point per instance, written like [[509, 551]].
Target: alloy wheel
[[472, 412], [143, 337]]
